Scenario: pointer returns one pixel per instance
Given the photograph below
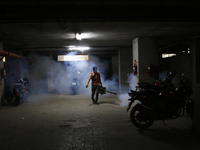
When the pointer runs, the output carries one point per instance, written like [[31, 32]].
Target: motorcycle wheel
[[7, 98], [140, 117]]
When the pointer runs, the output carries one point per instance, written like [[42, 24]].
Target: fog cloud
[[123, 97], [48, 75]]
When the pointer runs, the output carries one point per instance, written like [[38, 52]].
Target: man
[[96, 82]]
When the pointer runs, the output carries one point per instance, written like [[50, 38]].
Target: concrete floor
[[67, 122]]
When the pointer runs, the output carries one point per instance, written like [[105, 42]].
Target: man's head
[[94, 69]]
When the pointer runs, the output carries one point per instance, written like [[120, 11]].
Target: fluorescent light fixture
[[90, 35], [188, 50], [168, 55], [78, 36], [80, 48], [73, 57]]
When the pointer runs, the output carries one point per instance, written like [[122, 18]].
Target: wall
[[125, 66], [145, 52], [180, 64], [196, 120], [115, 69]]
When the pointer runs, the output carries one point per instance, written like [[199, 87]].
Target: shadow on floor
[[180, 137]]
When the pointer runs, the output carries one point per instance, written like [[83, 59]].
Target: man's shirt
[[96, 79]]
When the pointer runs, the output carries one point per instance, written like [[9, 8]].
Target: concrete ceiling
[[47, 25]]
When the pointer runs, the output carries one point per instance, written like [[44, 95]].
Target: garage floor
[[68, 122]]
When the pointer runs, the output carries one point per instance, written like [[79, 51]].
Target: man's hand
[[86, 86]]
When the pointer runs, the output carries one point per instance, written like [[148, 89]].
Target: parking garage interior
[[58, 114]]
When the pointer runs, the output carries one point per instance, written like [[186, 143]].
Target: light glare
[[78, 36]]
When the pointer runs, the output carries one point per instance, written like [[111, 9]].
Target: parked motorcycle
[[170, 103], [21, 90], [159, 85], [17, 92]]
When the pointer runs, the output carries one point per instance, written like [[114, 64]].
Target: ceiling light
[[80, 48], [78, 36], [73, 58], [168, 55]]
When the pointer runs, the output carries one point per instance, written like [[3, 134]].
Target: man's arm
[[88, 80]]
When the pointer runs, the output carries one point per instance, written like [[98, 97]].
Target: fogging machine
[[102, 90]]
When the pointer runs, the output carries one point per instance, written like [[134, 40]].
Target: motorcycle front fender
[[129, 106], [133, 101]]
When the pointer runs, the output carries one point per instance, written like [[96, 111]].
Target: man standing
[[96, 82]]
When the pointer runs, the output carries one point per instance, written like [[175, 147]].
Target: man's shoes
[[96, 103]]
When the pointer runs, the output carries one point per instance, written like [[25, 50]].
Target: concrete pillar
[[125, 66], [115, 69], [1, 66], [145, 52], [119, 66], [196, 117], [135, 62]]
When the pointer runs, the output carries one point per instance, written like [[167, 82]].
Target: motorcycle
[[169, 103], [159, 85], [21, 90], [17, 92]]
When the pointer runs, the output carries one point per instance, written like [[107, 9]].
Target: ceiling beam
[[169, 11]]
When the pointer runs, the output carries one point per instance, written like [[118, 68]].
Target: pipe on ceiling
[[3, 53]]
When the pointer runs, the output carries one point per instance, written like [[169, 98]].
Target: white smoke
[[48, 75], [123, 97]]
